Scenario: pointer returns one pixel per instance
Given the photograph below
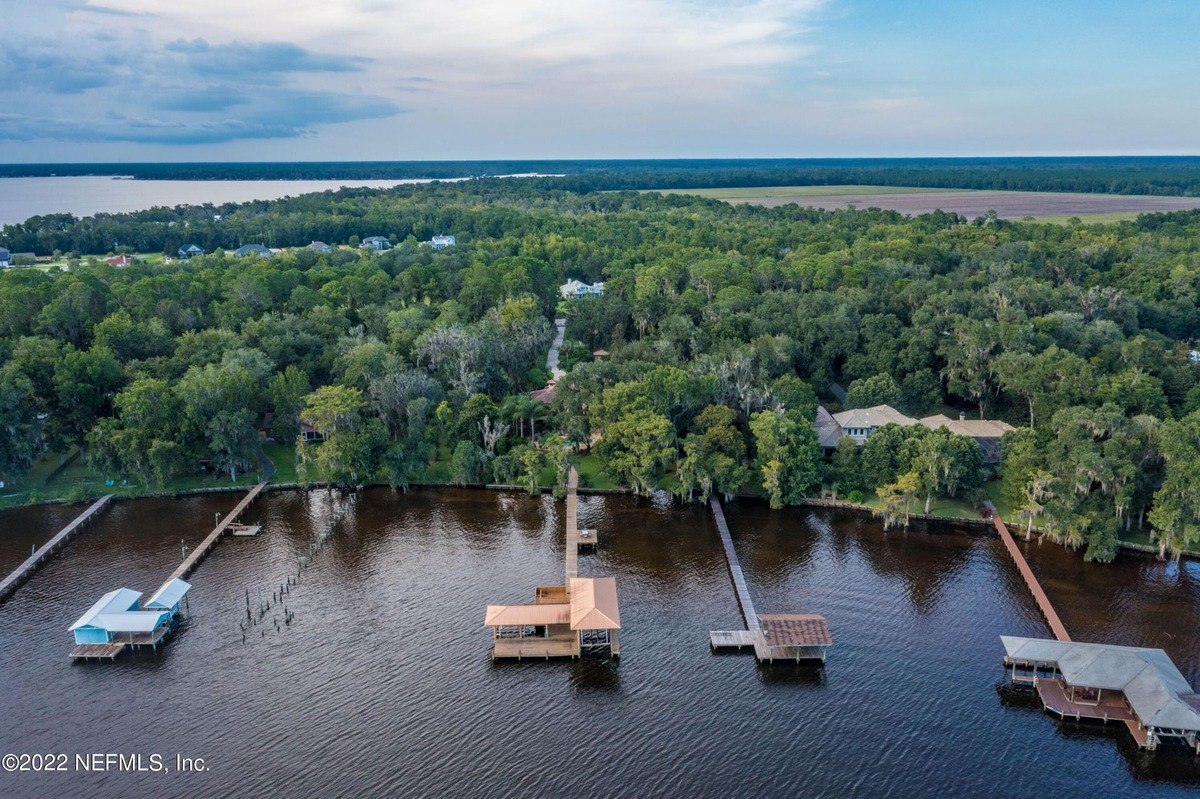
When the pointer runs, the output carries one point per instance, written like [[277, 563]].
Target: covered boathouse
[[1136, 686], [119, 619], [563, 621]]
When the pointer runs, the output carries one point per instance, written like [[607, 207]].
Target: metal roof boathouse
[[118, 620], [1137, 686]]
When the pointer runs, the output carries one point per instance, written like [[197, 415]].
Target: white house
[[576, 288], [442, 242]]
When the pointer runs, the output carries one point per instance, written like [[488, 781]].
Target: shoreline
[[811, 502]]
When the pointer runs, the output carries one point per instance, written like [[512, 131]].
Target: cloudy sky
[[100, 80]]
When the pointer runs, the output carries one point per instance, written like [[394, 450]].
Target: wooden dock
[[735, 567], [97, 651], [730, 639], [572, 542], [1031, 581], [35, 561], [210, 541]]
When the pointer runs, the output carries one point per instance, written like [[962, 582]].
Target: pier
[[775, 636], [1031, 580], [210, 541], [35, 561]]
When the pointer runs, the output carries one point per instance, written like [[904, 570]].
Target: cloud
[[239, 58], [254, 69]]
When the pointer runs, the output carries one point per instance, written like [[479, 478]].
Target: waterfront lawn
[[284, 458]]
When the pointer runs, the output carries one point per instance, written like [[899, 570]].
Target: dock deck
[[1056, 699], [730, 639], [35, 561], [544, 648], [1031, 580], [97, 651], [735, 566], [572, 543]]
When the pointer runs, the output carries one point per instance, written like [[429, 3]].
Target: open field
[[1051, 206]]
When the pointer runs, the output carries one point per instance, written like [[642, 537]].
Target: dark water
[[383, 685]]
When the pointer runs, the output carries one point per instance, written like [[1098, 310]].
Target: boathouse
[[793, 636], [562, 622], [1137, 686], [116, 620]]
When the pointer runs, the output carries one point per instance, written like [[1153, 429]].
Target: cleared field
[[1053, 206]]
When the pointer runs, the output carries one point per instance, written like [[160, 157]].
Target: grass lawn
[[1092, 219], [284, 458]]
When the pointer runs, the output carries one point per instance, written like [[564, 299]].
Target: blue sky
[[99, 80]]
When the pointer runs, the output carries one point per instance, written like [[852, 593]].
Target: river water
[[21, 198], [382, 685]]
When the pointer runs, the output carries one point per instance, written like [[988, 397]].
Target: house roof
[[877, 416], [1155, 689], [116, 601], [543, 395], [526, 615], [374, 238], [131, 621], [4, 251], [795, 629], [118, 260], [975, 428], [594, 604], [319, 245], [828, 430], [169, 595], [255, 249]]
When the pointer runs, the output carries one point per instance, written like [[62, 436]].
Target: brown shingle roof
[[795, 629]]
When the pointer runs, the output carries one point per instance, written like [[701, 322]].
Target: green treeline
[[1162, 175], [723, 325]]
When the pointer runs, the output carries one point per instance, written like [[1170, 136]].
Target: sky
[[285, 80]]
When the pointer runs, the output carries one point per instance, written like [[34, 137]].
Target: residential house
[[986, 432], [190, 251], [119, 260], [376, 243], [252, 249], [5, 258], [320, 246], [442, 242], [576, 288], [309, 433], [860, 423]]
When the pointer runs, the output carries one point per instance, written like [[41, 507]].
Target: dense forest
[[1163, 175], [724, 327]]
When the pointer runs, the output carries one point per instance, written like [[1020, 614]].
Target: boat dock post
[[40, 556]]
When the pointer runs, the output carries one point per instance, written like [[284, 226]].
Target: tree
[[636, 446], [897, 499], [713, 456], [970, 361], [868, 392], [20, 433], [288, 390], [334, 411], [787, 455], [1175, 515], [845, 468], [466, 463]]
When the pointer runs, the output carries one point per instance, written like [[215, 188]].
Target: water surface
[[383, 684]]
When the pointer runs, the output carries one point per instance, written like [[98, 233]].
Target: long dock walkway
[[1031, 580], [35, 561], [735, 567], [210, 541], [572, 543]]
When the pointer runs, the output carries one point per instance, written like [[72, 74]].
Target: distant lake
[[21, 198]]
